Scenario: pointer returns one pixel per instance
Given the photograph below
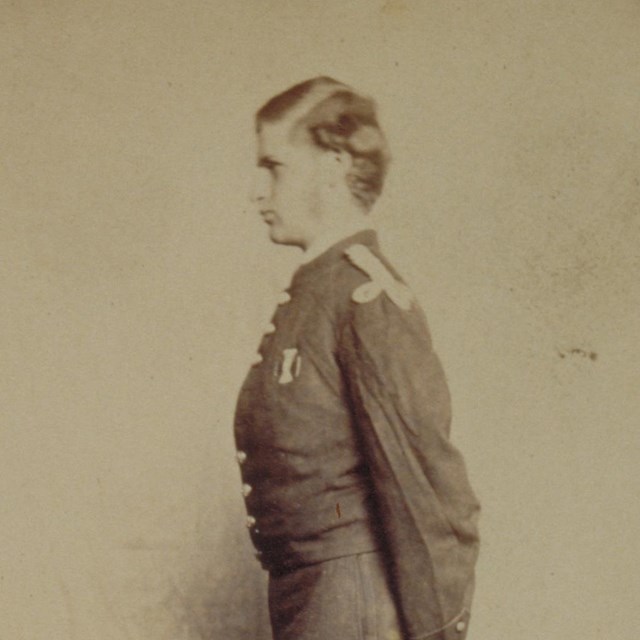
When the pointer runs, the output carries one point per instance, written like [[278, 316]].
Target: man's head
[[321, 155]]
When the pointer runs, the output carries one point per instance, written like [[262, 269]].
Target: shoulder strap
[[381, 279]]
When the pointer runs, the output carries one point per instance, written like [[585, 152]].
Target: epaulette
[[381, 279]]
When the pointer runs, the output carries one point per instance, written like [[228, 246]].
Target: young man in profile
[[358, 504]]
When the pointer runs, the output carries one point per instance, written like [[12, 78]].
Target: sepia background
[[136, 276]]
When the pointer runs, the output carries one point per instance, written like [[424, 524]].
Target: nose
[[260, 188]]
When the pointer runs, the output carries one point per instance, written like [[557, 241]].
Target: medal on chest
[[288, 366]]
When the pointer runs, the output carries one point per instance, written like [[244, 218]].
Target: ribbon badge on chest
[[288, 367]]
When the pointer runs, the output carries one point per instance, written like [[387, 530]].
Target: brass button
[[250, 522], [257, 360], [269, 329], [241, 456], [461, 626], [284, 297], [246, 489]]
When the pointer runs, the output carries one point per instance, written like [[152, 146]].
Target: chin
[[275, 236], [278, 237]]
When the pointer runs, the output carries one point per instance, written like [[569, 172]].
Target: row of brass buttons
[[241, 456]]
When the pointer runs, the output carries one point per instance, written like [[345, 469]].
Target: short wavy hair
[[334, 117]]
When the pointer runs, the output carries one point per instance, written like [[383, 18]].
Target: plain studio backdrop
[[136, 279]]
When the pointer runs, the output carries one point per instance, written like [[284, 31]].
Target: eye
[[270, 165], [273, 167]]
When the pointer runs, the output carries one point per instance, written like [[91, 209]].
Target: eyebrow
[[267, 162]]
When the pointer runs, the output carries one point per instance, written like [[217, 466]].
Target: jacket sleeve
[[428, 512]]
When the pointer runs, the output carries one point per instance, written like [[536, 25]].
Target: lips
[[269, 216]]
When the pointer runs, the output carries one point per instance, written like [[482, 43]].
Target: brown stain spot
[[591, 355], [394, 7], [338, 510]]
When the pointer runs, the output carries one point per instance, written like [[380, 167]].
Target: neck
[[328, 236]]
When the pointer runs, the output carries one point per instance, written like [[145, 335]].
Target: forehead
[[282, 136], [274, 136], [279, 139]]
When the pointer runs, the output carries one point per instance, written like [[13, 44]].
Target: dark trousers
[[343, 599]]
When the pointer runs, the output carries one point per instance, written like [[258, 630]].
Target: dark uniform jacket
[[342, 429]]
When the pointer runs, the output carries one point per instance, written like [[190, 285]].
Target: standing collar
[[307, 271], [331, 237]]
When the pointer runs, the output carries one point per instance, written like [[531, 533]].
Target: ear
[[336, 164], [344, 159]]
